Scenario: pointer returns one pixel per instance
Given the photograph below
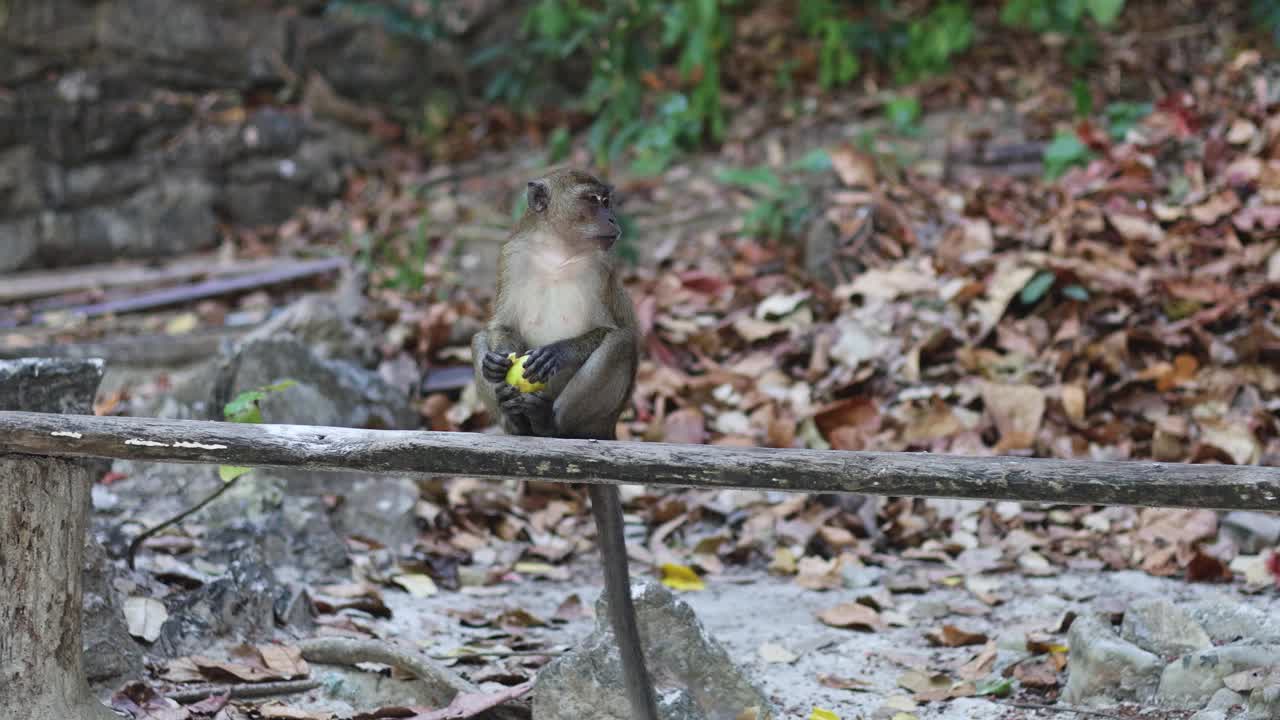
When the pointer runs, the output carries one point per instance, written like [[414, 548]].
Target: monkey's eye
[[604, 200]]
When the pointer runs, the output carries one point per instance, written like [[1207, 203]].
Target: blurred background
[[1037, 227]]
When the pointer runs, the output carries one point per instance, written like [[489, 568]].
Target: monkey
[[560, 299]]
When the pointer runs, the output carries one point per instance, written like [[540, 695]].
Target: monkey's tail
[[607, 507]]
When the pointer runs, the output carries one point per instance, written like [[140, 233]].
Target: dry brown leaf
[[1136, 228], [980, 665], [855, 168], [1008, 281], [952, 636], [855, 616], [1215, 208], [1017, 411]]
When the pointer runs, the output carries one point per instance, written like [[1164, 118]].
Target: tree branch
[[498, 456]]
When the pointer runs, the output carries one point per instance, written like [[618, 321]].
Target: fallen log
[[1068, 482]]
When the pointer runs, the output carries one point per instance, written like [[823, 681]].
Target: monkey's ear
[[539, 196]]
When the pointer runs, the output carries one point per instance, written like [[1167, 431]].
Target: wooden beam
[[1068, 482]]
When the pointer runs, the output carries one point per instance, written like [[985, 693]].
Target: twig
[[1060, 709], [499, 654], [243, 690], [149, 532]]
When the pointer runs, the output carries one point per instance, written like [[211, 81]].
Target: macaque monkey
[[561, 301]]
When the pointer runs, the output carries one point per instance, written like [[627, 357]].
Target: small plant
[[1066, 17], [1064, 152], [903, 113], [932, 40], [1122, 116], [780, 209], [244, 408]]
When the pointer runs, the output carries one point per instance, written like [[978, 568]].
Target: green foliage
[[780, 208], [245, 409], [837, 38], [903, 113], [404, 17], [1267, 13], [627, 44], [1039, 286], [1122, 116], [1066, 17], [997, 686], [1065, 151], [932, 40]]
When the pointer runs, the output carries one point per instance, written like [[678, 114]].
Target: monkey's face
[[577, 207]]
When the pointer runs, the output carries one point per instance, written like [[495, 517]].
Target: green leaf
[[757, 177], [1033, 291], [1065, 150], [1076, 292], [816, 160], [999, 687], [903, 112], [1105, 11], [1083, 97], [231, 472], [244, 408]]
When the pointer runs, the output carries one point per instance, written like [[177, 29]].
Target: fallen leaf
[[775, 653], [145, 616], [1215, 208], [686, 425], [417, 584], [854, 168], [836, 682], [1136, 228], [1017, 411], [284, 660], [1007, 282], [952, 636], [280, 711], [681, 577], [1037, 673], [980, 665], [852, 615], [1073, 402], [820, 714]]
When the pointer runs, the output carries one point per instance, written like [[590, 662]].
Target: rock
[[327, 392], [1226, 699], [693, 674], [1264, 704], [381, 508], [1227, 620], [1252, 532], [1158, 626], [19, 240], [240, 604], [1209, 715], [326, 327], [110, 653], [1105, 667], [1191, 680]]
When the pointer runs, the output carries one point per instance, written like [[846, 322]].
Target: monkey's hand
[[531, 413], [495, 366], [546, 361]]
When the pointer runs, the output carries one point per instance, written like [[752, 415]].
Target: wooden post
[[44, 515]]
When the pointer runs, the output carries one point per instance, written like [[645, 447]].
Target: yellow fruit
[[515, 375]]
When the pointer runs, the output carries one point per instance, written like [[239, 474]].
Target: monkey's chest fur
[[557, 296]]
